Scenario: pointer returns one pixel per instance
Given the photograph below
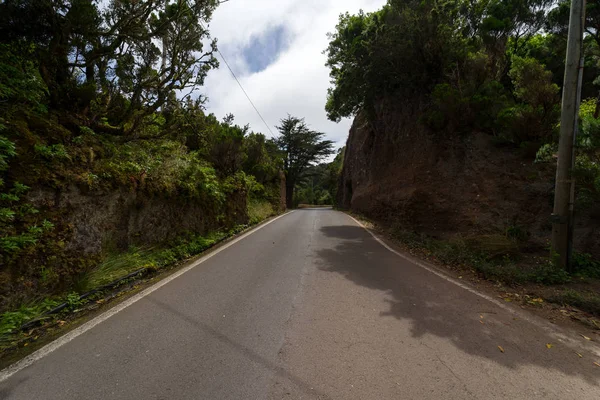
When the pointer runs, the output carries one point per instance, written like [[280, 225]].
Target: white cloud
[[297, 81]]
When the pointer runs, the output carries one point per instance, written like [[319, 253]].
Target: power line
[[243, 90], [238, 81]]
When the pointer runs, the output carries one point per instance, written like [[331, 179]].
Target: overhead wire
[[245, 93], [240, 85]]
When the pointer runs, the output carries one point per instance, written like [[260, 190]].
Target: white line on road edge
[[61, 341], [552, 330]]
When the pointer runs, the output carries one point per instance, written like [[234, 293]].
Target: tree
[[557, 24], [320, 182], [535, 116], [301, 148], [407, 47], [131, 55], [262, 158]]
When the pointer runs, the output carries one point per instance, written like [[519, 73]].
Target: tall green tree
[[320, 182], [96, 56], [408, 46], [301, 147]]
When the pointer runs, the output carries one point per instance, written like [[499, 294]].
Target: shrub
[[259, 210]]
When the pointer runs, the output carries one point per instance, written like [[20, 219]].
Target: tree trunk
[[289, 195]]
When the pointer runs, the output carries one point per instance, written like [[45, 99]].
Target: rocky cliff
[[125, 217], [399, 172]]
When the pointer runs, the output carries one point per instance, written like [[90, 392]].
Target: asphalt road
[[311, 306]]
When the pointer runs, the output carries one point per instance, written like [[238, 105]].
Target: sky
[[275, 49]]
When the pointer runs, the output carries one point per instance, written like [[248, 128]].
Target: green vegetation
[[497, 258], [464, 67], [99, 98], [319, 184], [473, 62], [494, 256], [116, 266], [259, 211], [588, 301], [301, 148], [12, 320]]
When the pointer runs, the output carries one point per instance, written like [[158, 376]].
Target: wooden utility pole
[[568, 123]]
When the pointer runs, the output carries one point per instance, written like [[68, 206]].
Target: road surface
[[311, 306]]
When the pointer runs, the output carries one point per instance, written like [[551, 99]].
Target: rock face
[[397, 171], [282, 192], [125, 217]]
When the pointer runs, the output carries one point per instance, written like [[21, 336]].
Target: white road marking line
[[61, 341], [555, 331]]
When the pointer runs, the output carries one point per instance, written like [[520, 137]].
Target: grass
[[314, 205], [493, 256], [118, 265], [114, 267], [497, 258], [11, 320], [588, 301], [259, 210]]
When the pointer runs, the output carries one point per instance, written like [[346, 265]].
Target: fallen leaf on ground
[[61, 323], [596, 364], [585, 337], [501, 349], [580, 356], [507, 299], [549, 345], [481, 322]]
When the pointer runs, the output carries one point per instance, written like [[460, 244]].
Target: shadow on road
[[437, 307]]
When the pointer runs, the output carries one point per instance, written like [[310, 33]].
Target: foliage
[[585, 265], [587, 160], [471, 66], [587, 301], [11, 320], [21, 85], [99, 96], [473, 63], [301, 147], [407, 46], [73, 301], [20, 91], [117, 265], [94, 56], [262, 158], [546, 153], [259, 210], [319, 185], [495, 262], [536, 116]]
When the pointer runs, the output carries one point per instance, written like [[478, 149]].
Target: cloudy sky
[[275, 48]]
